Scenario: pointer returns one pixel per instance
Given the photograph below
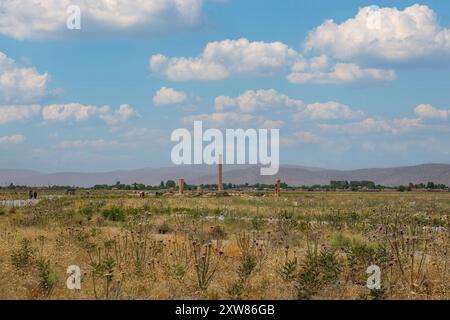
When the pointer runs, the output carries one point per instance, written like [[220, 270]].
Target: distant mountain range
[[292, 175]]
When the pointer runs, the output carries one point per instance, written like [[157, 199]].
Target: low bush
[[23, 256], [114, 214], [318, 270]]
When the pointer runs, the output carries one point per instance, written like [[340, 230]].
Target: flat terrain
[[302, 245]]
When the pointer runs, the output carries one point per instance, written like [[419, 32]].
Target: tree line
[[171, 185]]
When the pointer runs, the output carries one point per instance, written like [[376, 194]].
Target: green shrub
[[114, 214], [24, 255], [360, 256], [87, 212], [318, 271], [47, 277], [246, 268], [235, 289], [258, 223], [341, 241]]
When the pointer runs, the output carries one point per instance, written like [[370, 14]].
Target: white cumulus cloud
[[79, 112], [340, 73], [20, 84], [327, 111], [428, 111], [220, 60], [372, 125], [118, 116], [18, 113], [386, 34], [25, 19], [16, 139], [169, 96], [72, 111], [223, 118], [252, 100]]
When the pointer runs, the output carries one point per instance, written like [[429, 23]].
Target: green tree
[[170, 184]]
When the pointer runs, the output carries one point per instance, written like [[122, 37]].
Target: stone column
[[181, 186], [220, 180], [278, 187]]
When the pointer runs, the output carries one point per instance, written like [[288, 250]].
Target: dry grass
[[298, 246]]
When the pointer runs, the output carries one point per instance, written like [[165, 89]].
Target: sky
[[351, 84]]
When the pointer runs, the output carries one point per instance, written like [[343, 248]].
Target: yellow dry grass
[[303, 245]]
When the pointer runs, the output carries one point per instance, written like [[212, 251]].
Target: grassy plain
[[302, 245]]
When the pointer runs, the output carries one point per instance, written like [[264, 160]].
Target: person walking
[[35, 195], [30, 194]]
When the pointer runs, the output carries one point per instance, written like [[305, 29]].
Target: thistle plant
[[205, 263], [288, 267], [141, 248], [48, 278], [103, 269], [252, 250], [178, 258], [409, 248]]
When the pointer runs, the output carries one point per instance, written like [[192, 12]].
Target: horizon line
[[306, 167]]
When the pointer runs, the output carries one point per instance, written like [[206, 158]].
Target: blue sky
[[370, 89]]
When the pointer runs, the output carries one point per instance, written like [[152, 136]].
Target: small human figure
[[35, 195], [31, 194]]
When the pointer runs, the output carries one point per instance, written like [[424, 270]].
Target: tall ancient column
[[220, 182], [278, 187], [181, 186]]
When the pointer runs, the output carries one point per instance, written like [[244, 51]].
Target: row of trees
[[352, 184], [428, 186], [171, 184], [12, 186], [355, 185]]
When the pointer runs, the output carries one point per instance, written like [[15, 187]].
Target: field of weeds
[[301, 245]]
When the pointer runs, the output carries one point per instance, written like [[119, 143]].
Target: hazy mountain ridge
[[293, 175]]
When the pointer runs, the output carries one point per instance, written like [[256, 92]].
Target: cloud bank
[[35, 19]]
